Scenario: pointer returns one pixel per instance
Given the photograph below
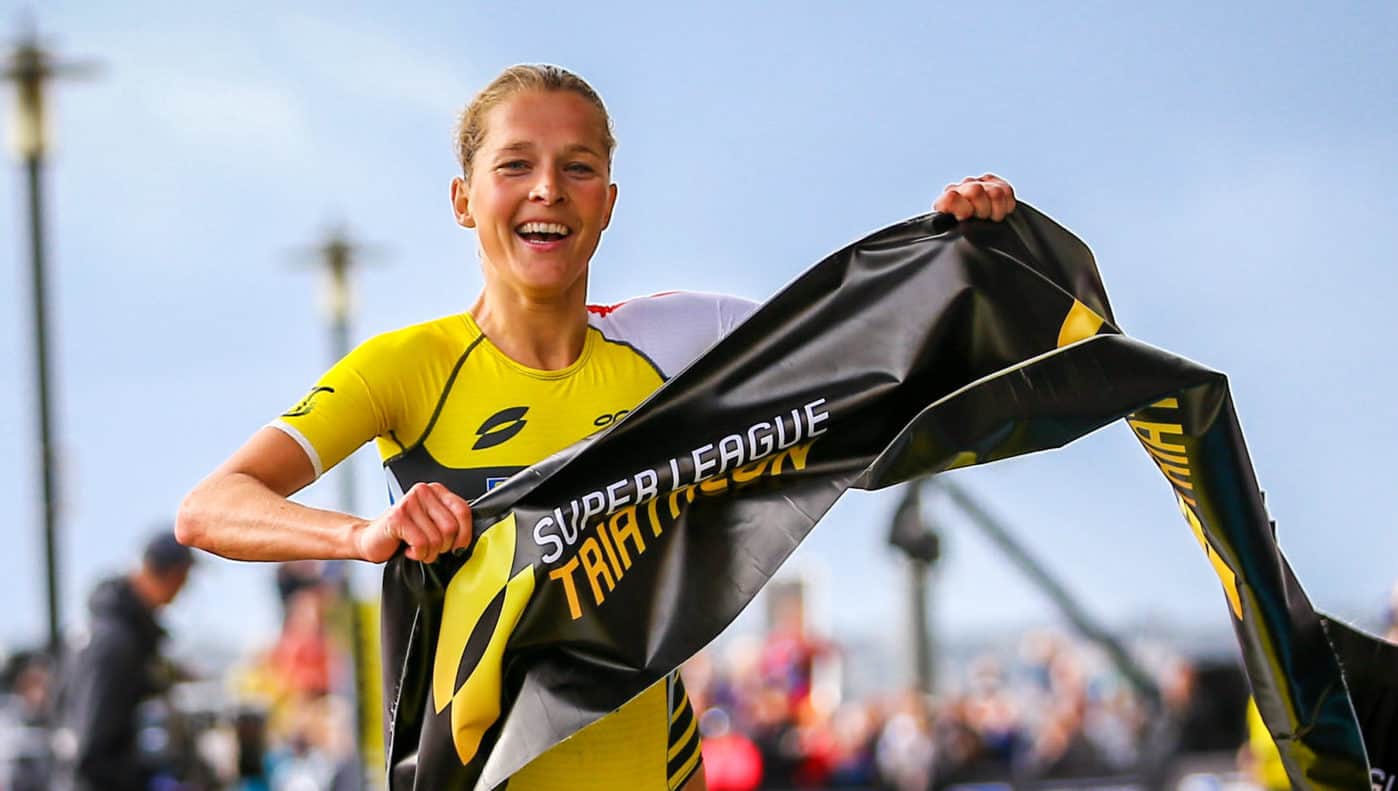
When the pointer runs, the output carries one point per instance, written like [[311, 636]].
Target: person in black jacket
[[114, 670]]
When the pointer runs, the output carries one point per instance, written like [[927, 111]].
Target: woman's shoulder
[[445, 333], [670, 328], [443, 338], [676, 305]]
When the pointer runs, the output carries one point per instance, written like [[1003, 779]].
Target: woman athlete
[[458, 404]]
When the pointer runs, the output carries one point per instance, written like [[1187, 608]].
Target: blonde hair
[[470, 128]]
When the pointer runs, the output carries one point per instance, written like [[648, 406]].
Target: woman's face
[[540, 192]]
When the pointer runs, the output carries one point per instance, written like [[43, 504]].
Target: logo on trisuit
[[304, 406], [500, 427]]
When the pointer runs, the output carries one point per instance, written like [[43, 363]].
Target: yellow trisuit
[[444, 404]]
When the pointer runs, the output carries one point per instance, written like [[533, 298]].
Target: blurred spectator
[[773, 729], [296, 576], [905, 747], [852, 761], [301, 657], [27, 681], [789, 653], [113, 670], [731, 760], [250, 731]]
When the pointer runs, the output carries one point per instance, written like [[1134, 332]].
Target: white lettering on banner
[[708, 461]]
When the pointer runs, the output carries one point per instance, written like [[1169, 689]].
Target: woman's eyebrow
[[576, 148], [525, 145]]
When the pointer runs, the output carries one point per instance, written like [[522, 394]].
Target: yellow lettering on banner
[[476, 705], [750, 472], [687, 492], [1163, 456], [1176, 474], [617, 543], [595, 568], [1080, 323], [1153, 434], [605, 540], [1225, 574], [565, 573], [653, 511], [797, 454], [714, 486], [624, 527], [1172, 460]]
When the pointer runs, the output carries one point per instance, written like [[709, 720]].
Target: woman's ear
[[461, 203], [611, 204]]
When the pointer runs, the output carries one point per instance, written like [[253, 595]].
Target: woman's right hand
[[430, 519]]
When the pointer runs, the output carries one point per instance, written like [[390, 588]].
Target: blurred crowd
[[775, 711], [773, 715], [1042, 707]]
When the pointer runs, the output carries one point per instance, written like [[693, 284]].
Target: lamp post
[[337, 253], [30, 67], [340, 256], [920, 542]]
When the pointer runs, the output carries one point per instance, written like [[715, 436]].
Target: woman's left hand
[[986, 198]]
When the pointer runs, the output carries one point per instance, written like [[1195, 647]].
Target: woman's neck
[[547, 334]]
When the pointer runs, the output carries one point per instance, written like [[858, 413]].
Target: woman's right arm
[[241, 511]]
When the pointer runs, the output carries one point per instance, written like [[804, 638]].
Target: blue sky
[[1232, 168]]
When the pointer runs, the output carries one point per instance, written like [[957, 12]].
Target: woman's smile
[[543, 236]]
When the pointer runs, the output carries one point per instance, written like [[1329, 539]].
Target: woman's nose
[[546, 191]]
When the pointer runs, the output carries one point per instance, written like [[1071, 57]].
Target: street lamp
[[920, 542], [30, 67], [339, 256]]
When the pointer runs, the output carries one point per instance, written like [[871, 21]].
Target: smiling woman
[[538, 194], [458, 404]]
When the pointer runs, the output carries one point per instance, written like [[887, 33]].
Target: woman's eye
[[581, 167], [514, 164]]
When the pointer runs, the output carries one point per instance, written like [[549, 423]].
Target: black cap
[[164, 553]]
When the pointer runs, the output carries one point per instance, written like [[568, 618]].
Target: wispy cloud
[[376, 63], [234, 115], [178, 83]]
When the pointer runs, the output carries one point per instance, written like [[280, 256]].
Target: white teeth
[[543, 227]]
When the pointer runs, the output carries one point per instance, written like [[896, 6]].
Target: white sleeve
[[672, 329], [733, 311]]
